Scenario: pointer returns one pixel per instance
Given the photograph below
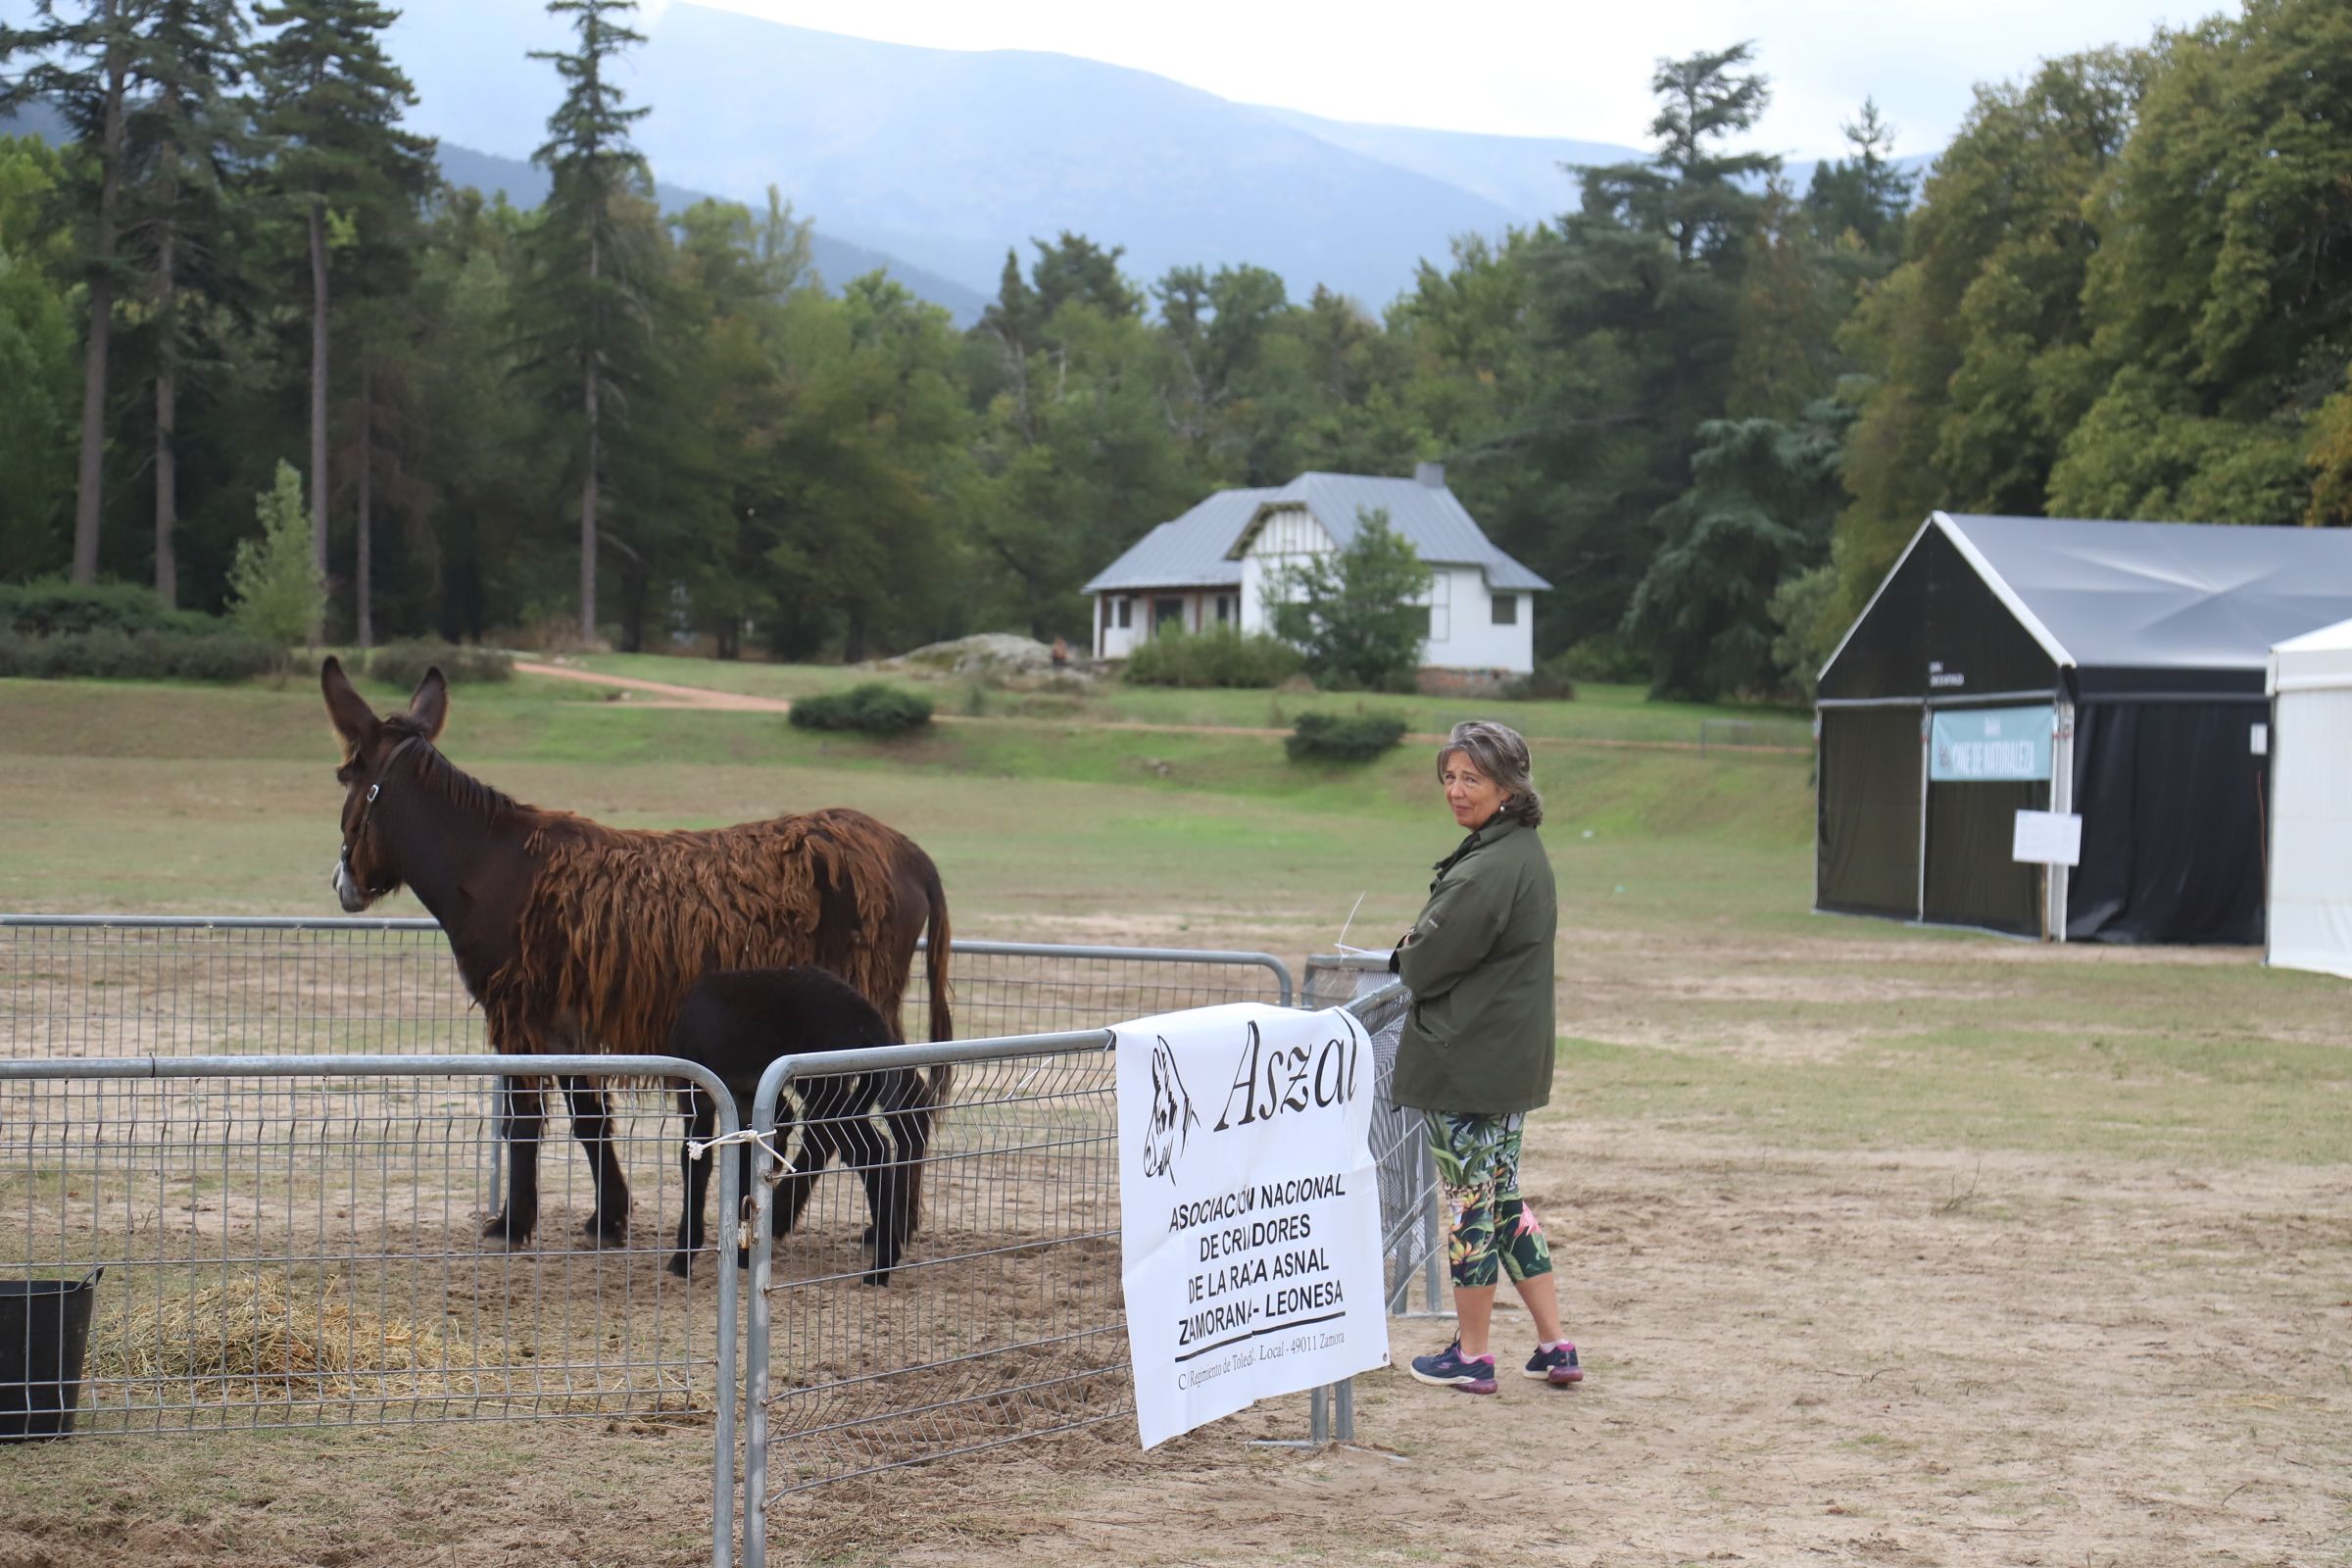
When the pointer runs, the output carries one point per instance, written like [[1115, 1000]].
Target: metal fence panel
[[192, 986], [1004, 1319], [1009, 988], [195, 985], [297, 1241]]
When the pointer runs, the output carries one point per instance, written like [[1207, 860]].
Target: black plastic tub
[[44, 1334]]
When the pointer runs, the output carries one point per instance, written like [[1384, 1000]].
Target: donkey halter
[[367, 805]]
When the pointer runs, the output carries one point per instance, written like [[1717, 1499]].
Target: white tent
[[2311, 809]]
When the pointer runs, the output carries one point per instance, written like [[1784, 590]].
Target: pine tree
[[1643, 296], [83, 67], [333, 100], [37, 364], [185, 136], [592, 264], [1864, 195]]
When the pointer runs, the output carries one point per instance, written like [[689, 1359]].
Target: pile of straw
[[248, 1341]]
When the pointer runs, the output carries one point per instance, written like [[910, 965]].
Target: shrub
[[404, 664], [1218, 657], [1343, 738], [1549, 682], [53, 608], [1354, 613], [221, 657], [1604, 657], [275, 591], [874, 707], [108, 653]]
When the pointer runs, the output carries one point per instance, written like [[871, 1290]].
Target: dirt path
[[668, 695], [671, 696]]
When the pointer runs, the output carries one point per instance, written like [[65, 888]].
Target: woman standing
[[1477, 1050]]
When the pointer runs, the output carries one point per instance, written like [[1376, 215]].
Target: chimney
[[1432, 474]]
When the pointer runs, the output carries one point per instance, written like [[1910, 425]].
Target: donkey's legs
[[828, 1100], [864, 1150], [907, 1109], [905, 1100], [701, 1118], [522, 1117], [592, 1125]]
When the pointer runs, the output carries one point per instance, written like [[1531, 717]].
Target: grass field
[[1887, 1244]]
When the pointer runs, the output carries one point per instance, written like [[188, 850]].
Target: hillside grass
[[1599, 713], [98, 777]]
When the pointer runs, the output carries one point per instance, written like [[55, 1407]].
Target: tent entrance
[[1917, 811], [1866, 853]]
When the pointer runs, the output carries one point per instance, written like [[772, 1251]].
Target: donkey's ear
[[429, 707], [346, 708]]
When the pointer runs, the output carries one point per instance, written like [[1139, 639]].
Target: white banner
[[2047, 838], [1249, 1209]]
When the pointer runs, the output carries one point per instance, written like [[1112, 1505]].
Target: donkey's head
[[376, 752]]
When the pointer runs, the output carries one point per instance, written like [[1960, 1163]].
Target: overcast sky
[[1533, 67]]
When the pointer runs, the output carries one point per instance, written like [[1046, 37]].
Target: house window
[[1441, 599], [1224, 608], [1506, 609], [1125, 613], [1166, 613]]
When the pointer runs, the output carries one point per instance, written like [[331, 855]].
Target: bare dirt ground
[[1892, 1354], [1873, 1359]]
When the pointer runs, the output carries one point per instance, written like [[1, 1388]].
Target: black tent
[[2110, 669]]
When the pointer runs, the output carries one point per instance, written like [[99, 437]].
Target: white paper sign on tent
[[1249, 1209], [2047, 838]]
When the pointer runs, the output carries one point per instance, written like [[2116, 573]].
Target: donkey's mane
[[459, 787]]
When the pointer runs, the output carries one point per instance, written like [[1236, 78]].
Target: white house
[[1212, 567]]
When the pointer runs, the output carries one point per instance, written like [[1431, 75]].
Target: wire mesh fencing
[[195, 985], [299, 1242], [275, 1142], [1412, 1224], [1009, 988]]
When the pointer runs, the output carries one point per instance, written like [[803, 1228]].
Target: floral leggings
[[1478, 1166]]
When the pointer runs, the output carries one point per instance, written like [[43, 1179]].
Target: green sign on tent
[[1980, 744]]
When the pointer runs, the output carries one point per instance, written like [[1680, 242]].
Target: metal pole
[[2062, 799], [1432, 1227], [1927, 725], [730, 1229], [763, 1199]]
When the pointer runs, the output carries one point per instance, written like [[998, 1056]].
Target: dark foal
[[736, 1022]]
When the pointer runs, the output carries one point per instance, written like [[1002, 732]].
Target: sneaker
[[1558, 1366], [1449, 1369]]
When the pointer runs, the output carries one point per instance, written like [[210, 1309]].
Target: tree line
[[1709, 407]]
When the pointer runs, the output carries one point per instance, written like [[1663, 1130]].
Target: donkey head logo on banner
[[1172, 1115]]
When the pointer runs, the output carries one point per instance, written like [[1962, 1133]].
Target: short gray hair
[[1498, 752]]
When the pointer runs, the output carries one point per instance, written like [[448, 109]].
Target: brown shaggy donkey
[[577, 936]]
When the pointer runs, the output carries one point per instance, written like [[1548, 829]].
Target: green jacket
[[1479, 1037]]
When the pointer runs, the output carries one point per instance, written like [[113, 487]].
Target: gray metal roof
[[2164, 595], [1203, 547], [1188, 552]]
